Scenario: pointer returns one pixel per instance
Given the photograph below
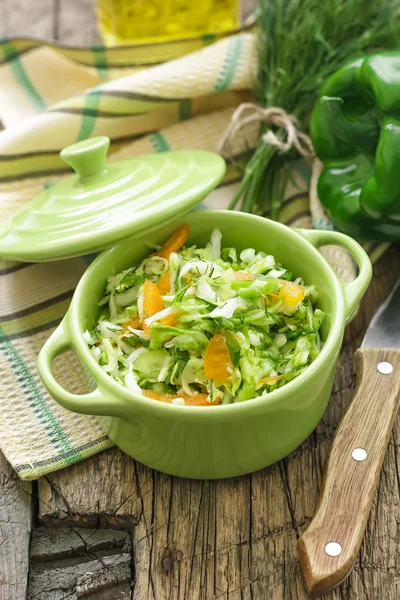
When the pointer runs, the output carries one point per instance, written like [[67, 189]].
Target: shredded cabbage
[[267, 319]]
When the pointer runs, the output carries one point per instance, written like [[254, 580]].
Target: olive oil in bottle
[[125, 22]]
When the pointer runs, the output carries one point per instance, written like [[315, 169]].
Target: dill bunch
[[300, 44]]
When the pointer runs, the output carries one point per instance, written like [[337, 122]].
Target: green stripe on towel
[[100, 444], [231, 61], [39, 405], [89, 119], [159, 142], [185, 109], [100, 60], [21, 76]]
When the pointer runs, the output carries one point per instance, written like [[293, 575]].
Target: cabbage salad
[[205, 326]]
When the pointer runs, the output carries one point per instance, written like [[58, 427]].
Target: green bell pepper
[[355, 129]]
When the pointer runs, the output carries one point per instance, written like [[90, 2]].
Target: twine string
[[274, 117]]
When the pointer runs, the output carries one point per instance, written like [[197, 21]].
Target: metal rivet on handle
[[333, 549], [359, 454], [385, 368]]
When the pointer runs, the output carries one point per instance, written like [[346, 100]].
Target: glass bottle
[[123, 22]]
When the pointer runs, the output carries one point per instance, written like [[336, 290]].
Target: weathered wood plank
[[76, 23], [15, 529], [66, 497], [49, 544], [90, 578], [24, 18], [71, 22], [237, 538], [77, 563]]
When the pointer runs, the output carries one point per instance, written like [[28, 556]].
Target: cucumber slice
[[150, 364]]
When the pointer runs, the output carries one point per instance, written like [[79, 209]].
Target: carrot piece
[[199, 400], [152, 302], [269, 380], [196, 400], [175, 242], [217, 360], [293, 294], [243, 275], [164, 283], [169, 319], [289, 292], [134, 323]]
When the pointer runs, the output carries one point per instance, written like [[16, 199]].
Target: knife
[[328, 548]]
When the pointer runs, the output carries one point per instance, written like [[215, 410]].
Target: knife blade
[[384, 328], [328, 548]]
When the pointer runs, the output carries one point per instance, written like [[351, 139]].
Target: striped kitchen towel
[[51, 97]]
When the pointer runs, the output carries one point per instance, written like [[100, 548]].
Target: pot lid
[[102, 203]]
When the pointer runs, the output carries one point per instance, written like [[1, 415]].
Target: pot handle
[[355, 290], [93, 403]]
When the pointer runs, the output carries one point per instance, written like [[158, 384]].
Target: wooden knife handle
[[328, 549]]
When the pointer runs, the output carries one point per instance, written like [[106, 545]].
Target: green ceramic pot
[[219, 441]]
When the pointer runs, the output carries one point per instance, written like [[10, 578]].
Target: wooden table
[[111, 529]]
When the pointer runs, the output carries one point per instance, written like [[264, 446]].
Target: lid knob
[[87, 158]]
